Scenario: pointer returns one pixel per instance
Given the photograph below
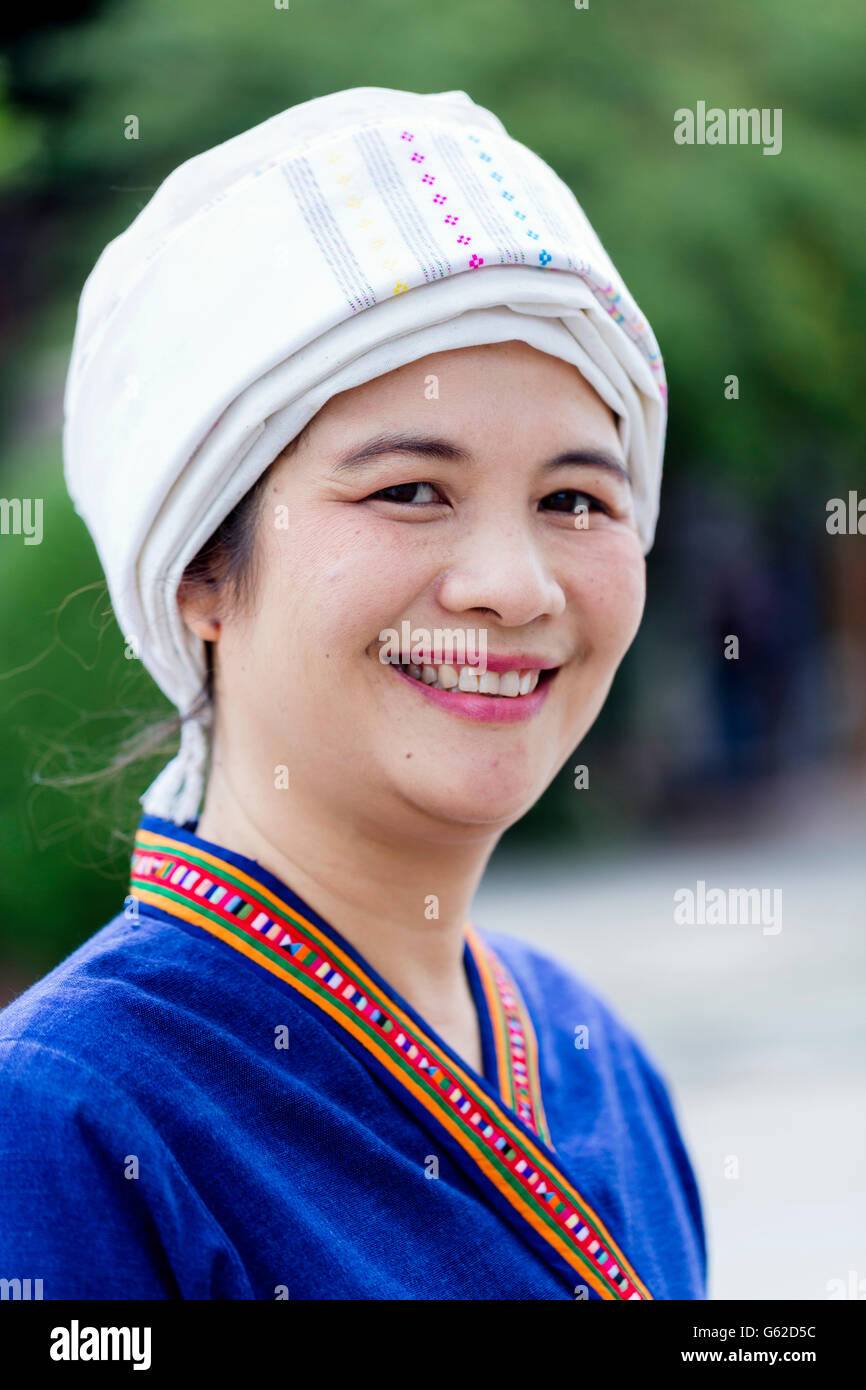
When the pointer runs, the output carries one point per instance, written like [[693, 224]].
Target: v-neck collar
[[205, 884], [496, 1132]]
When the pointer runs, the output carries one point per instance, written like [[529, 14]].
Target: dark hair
[[226, 564]]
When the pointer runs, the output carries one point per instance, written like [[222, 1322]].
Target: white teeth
[[447, 677], [472, 681]]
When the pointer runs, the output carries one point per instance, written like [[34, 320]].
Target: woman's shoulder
[[593, 1065], [78, 994], [60, 1035], [555, 986], [88, 1059], [141, 1004], [569, 1012], [126, 996]]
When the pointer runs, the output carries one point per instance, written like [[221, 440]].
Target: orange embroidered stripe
[[516, 1044], [163, 870], [493, 1005]]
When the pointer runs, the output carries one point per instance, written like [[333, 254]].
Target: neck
[[401, 900]]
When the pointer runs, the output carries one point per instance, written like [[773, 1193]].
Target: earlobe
[[198, 615], [208, 629]]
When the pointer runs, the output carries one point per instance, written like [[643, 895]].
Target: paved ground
[[762, 1037]]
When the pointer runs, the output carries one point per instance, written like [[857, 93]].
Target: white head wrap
[[335, 242]]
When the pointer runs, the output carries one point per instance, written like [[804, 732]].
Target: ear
[[198, 608]]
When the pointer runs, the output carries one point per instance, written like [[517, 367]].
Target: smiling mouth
[[468, 680]]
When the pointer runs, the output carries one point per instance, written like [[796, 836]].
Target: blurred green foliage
[[743, 263]]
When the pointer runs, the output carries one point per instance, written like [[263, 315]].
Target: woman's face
[[468, 521]]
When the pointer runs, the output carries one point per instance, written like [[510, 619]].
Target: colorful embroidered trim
[[516, 1046], [189, 882], [619, 305], [368, 168]]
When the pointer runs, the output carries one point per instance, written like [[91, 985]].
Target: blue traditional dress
[[216, 1097]]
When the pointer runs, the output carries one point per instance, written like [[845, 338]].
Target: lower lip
[[484, 709]]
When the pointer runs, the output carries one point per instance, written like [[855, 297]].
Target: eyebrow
[[444, 449]]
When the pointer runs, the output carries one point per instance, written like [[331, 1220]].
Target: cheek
[[608, 594], [333, 580]]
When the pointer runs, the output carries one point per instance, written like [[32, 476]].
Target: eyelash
[[593, 502], [401, 487]]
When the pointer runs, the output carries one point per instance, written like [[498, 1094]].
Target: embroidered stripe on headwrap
[[335, 242]]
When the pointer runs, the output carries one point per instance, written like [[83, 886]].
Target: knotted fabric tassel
[[176, 792]]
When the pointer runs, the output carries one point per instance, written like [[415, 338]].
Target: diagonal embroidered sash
[[504, 1147]]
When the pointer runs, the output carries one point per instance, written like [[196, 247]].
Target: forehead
[[473, 389]]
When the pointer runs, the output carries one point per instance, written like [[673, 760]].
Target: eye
[[410, 494], [570, 500]]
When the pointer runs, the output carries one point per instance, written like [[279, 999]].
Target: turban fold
[[339, 240]]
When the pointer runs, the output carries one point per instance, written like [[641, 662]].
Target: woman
[[377, 526]]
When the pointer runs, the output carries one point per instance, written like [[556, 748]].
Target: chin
[[460, 795]]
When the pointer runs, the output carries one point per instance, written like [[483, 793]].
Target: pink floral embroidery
[[475, 262], [451, 219]]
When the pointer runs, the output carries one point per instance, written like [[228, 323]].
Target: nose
[[501, 569]]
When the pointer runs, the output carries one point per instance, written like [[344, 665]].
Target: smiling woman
[[292, 1021]]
